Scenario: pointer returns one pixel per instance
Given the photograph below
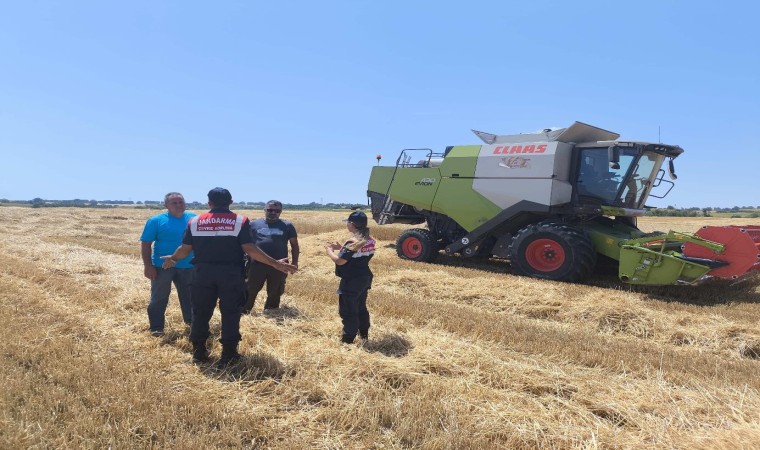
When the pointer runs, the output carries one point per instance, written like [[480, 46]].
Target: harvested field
[[462, 354]]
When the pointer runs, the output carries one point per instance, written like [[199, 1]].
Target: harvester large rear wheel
[[417, 244], [553, 251]]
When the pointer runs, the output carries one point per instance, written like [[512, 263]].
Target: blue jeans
[[161, 287]]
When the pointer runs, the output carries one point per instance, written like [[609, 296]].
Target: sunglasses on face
[[273, 210]]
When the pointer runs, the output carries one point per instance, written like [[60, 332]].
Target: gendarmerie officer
[[352, 266], [219, 238]]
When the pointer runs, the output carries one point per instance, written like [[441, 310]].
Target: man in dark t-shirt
[[219, 239], [272, 235]]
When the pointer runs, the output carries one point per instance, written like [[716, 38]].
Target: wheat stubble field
[[462, 354]]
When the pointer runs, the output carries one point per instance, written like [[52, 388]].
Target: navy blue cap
[[357, 218], [220, 197]]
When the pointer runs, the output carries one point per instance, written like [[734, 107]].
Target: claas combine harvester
[[551, 203]]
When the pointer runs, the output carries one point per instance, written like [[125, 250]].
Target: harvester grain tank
[[553, 203]]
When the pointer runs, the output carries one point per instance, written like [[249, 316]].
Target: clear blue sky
[[293, 100]]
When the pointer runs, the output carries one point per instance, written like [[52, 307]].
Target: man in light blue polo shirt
[[161, 236]]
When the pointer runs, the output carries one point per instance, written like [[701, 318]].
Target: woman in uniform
[[352, 266]]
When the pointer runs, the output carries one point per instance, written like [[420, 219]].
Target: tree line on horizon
[[735, 211], [159, 204]]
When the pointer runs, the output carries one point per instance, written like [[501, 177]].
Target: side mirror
[[672, 170], [613, 154]]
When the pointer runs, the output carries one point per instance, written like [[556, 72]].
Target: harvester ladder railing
[[402, 161], [405, 157]]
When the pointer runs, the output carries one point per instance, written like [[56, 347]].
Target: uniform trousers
[[352, 306], [212, 282]]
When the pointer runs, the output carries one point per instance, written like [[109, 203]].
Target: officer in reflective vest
[[219, 239]]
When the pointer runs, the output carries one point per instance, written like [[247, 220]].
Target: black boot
[[346, 340], [200, 352], [229, 355], [364, 335]]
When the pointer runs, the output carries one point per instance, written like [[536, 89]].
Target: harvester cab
[[621, 174], [550, 202]]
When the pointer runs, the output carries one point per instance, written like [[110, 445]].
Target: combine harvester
[[551, 202]]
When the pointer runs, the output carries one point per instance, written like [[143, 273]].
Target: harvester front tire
[[417, 244], [552, 251]]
